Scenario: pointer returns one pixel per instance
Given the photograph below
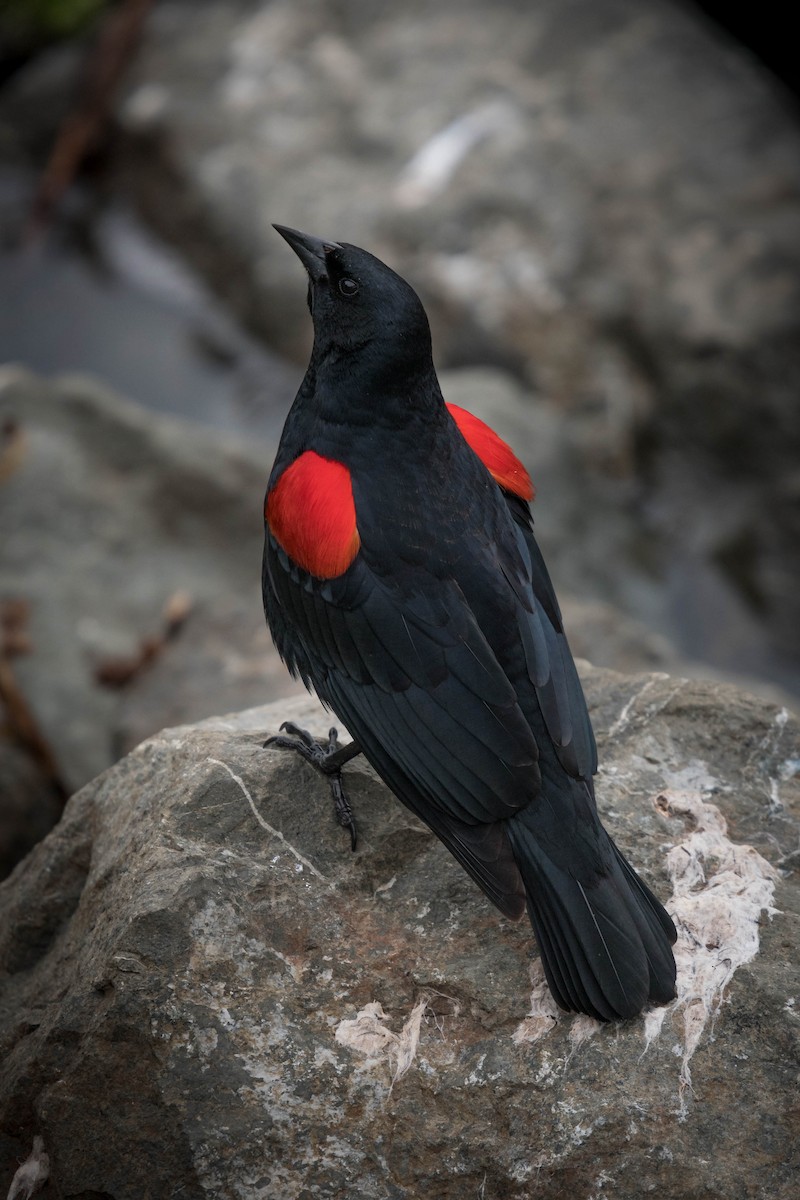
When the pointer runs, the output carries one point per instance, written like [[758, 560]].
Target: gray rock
[[605, 637], [205, 992], [107, 513], [601, 196], [604, 196], [631, 601], [567, 173]]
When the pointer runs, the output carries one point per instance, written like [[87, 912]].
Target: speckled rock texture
[[206, 994], [106, 512]]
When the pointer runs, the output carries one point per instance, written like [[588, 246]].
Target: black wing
[[417, 685], [549, 662], [415, 680]]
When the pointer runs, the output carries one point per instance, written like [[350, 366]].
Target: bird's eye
[[348, 287]]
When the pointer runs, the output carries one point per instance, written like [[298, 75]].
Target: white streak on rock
[[265, 824], [720, 889], [366, 1032], [432, 167], [622, 719], [581, 1029]]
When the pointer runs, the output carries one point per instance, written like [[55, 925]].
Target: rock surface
[[206, 994], [603, 195], [109, 516]]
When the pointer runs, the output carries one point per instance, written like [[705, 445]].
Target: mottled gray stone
[[200, 1003], [602, 195], [107, 512]]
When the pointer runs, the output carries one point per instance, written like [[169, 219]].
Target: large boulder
[[134, 541], [207, 994]]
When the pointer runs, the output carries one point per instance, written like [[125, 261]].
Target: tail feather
[[657, 930], [605, 941], [566, 965], [650, 903], [553, 961]]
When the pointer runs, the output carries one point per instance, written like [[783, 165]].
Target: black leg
[[328, 758]]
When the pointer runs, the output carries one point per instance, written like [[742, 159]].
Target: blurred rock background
[[599, 202]]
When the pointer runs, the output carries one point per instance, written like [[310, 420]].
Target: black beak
[[310, 250]]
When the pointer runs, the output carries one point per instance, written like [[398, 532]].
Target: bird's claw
[[307, 745], [296, 732], [344, 813], [324, 758]]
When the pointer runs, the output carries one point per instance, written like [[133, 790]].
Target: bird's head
[[360, 307]]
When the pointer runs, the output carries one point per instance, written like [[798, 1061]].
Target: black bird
[[402, 582]]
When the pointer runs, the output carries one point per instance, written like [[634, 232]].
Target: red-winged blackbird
[[403, 583]]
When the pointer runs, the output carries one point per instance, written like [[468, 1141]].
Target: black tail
[[605, 940]]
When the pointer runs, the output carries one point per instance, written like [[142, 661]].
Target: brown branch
[[24, 729], [119, 672], [81, 131]]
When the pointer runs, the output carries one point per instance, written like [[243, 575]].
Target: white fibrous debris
[[720, 889], [544, 1011], [33, 1174], [368, 1033]]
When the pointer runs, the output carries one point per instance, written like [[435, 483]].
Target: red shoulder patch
[[495, 454], [311, 514]]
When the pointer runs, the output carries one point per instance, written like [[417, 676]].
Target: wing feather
[[550, 664], [448, 705], [434, 692]]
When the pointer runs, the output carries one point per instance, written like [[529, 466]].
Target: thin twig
[[81, 130]]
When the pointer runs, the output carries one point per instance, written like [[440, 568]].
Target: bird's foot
[[329, 758]]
